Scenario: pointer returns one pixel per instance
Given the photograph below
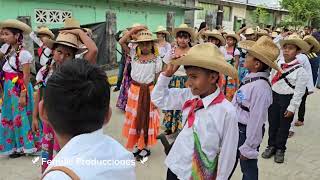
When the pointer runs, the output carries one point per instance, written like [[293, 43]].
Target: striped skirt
[[129, 128]]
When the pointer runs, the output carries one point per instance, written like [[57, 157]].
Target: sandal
[[143, 154], [136, 151], [291, 133], [16, 155], [299, 123]]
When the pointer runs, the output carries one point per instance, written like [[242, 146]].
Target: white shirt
[[25, 57], [227, 55], [39, 76], [304, 61], [298, 78], [46, 51], [145, 72], [216, 126], [94, 147], [168, 58], [164, 49], [4, 48]]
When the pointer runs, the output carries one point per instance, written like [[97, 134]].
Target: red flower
[[37, 134], [10, 125], [21, 140], [1, 147], [29, 113], [9, 93], [38, 145], [18, 121], [4, 122], [30, 136], [9, 141]]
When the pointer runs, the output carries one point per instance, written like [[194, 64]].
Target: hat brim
[[246, 44], [51, 43], [220, 66], [144, 40], [22, 26], [304, 46], [259, 55], [188, 30], [162, 31], [218, 36], [236, 37], [50, 34], [315, 45]]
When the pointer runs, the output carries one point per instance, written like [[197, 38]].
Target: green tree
[[301, 12], [261, 15]]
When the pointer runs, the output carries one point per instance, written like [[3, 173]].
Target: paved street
[[302, 158]]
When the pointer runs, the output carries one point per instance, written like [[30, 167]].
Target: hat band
[[68, 43]]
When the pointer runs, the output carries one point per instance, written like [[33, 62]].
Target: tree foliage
[[261, 15], [301, 12]]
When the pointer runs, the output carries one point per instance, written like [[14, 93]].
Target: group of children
[[216, 96]]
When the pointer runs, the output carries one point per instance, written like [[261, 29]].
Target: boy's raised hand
[[171, 69]]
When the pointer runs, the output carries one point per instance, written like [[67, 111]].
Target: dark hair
[[243, 25], [77, 97], [183, 34], [264, 66], [202, 25]]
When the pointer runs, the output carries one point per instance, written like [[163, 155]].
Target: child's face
[[252, 64], [251, 37], [183, 42], [201, 81], [290, 52], [61, 54], [9, 37], [146, 47], [230, 41], [214, 40], [161, 35]]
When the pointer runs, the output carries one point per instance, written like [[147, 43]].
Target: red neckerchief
[[283, 66], [197, 104]]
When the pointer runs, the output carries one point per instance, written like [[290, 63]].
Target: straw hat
[[313, 42], [13, 23], [143, 36], [246, 44], [266, 51], [161, 29], [262, 32], [136, 25], [207, 56], [45, 31], [249, 31], [233, 35], [71, 23], [274, 34], [216, 34], [185, 28], [66, 39], [296, 40], [278, 30]]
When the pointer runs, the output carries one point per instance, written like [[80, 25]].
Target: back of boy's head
[[77, 98]]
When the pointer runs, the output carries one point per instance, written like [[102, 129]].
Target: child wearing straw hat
[[129, 49], [252, 101], [184, 35], [17, 137], [206, 147], [142, 124], [308, 64], [39, 37], [163, 45], [232, 55], [215, 37], [288, 89]]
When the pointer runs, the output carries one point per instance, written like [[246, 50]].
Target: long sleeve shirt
[[298, 78], [216, 126], [257, 96], [46, 52]]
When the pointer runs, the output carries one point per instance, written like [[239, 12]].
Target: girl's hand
[[171, 69], [35, 124], [22, 101], [288, 114]]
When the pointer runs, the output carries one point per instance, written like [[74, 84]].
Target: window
[[227, 13], [201, 14], [51, 16]]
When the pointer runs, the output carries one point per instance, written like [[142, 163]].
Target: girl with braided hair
[[16, 135]]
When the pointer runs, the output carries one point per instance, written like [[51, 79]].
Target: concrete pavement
[[302, 157]]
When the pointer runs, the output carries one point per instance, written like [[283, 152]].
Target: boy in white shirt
[[76, 104], [288, 89], [207, 145]]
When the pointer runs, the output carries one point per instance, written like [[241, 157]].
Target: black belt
[[244, 108]]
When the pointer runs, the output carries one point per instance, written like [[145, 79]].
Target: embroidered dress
[[16, 135], [143, 74], [229, 84], [172, 121], [242, 71], [49, 143]]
